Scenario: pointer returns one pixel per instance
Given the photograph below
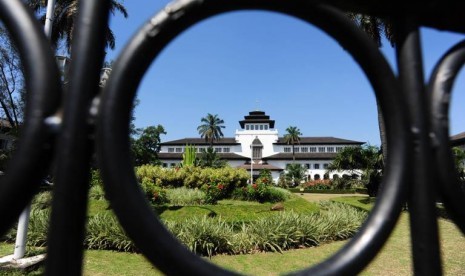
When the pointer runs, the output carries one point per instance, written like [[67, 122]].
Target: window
[[325, 166], [170, 149], [321, 149], [304, 149], [266, 127], [316, 166], [165, 165], [202, 149], [307, 166], [297, 149], [217, 149], [338, 149], [316, 177], [287, 149], [173, 165], [312, 149], [330, 149], [257, 153], [178, 149], [247, 127], [261, 127], [226, 150]]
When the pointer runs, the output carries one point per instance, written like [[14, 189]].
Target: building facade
[[257, 146]]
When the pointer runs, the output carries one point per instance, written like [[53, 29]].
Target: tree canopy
[[65, 14], [210, 129], [292, 137], [146, 147], [366, 159]]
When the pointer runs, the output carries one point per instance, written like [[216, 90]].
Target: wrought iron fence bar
[[422, 193], [66, 235], [439, 92]]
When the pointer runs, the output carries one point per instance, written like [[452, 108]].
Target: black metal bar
[[34, 148], [439, 90], [65, 247], [422, 196]]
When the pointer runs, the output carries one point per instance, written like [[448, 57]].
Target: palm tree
[[65, 12], [292, 137], [367, 159], [375, 28], [210, 129]]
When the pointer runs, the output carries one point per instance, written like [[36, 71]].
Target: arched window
[[335, 176], [326, 176], [316, 177]]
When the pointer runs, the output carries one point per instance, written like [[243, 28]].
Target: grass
[[394, 259], [232, 211]]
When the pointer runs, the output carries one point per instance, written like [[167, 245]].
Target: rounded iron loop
[[130, 205], [33, 153], [440, 88]]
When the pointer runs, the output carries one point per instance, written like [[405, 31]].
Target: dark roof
[[200, 142], [320, 140], [260, 167], [301, 156], [224, 155], [258, 117], [458, 139]]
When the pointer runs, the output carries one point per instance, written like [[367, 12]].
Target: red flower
[[254, 186], [220, 186]]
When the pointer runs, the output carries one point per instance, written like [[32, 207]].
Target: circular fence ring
[[33, 152], [440, 89], [130, 205]]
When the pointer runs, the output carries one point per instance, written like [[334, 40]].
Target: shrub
[[155, 194], [184, 196], [261, 193], [95, 178], [97, 192], [38, 227], [42, 200], [105, 233], [214, 192], [193, 177], [203, 236]]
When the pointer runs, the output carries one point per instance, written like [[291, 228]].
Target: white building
[[259, 138]]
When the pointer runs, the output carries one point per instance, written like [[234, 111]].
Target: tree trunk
[[382, 132]]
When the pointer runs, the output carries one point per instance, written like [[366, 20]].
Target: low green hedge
[[329, 191]]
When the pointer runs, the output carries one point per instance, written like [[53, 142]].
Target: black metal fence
[[419, 165]]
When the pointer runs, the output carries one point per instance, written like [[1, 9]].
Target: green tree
[[295, 173], [146, 147], [459, 160], [367, 159], [210, 129], [210, 158], [376, 28], [292, 137], [65, 14]]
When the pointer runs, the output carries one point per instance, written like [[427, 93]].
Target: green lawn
[[229, 210], [394, 259]]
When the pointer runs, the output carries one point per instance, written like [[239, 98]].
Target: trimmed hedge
[[346, 191]]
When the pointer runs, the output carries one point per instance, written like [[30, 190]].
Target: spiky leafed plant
[[65, 14], [292, 137], [210, 129]]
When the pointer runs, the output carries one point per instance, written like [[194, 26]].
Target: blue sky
[[243, 61]]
